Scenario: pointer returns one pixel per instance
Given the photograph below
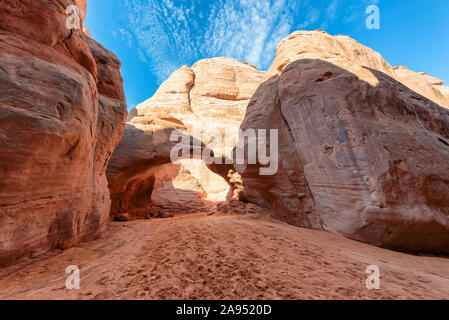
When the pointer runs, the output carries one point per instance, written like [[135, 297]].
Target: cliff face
[[62, 114], [361, 154], [369, 155]]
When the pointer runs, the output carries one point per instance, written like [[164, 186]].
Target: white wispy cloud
[[171, 33]]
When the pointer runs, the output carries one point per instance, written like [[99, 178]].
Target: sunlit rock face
[[321, 45], [208, 101], [62, 114], [360, 153], [424, 84]]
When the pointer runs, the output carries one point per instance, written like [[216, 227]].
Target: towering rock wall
[[62, 114], [361, 154]]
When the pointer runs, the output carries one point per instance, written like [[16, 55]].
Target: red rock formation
[[360, 153], [368, 156], [176, 190], [428, 86], [144, 147], [62, 113], [321, 45], [205, 100]]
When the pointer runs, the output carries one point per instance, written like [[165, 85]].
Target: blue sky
[[153, 38]]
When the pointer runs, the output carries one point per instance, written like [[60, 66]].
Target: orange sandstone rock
[[62, 113]]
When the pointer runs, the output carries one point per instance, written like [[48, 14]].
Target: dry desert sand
[[221, 256]]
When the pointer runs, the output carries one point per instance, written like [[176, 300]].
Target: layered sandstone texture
[[360, 153], [62, 114], [208, 102]]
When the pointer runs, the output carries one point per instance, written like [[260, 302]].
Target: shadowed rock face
[[362, 155], [140, 153], [62, 114], [143, 181]]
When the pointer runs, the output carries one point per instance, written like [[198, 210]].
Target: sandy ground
[[225, 257]]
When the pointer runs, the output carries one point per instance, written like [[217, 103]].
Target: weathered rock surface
[[370, 155], [62, 113], [444, 90], [363, 146], [208, 101], [360, 154], [313, 44], [428, 86], [143, 149], [321, 45]]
